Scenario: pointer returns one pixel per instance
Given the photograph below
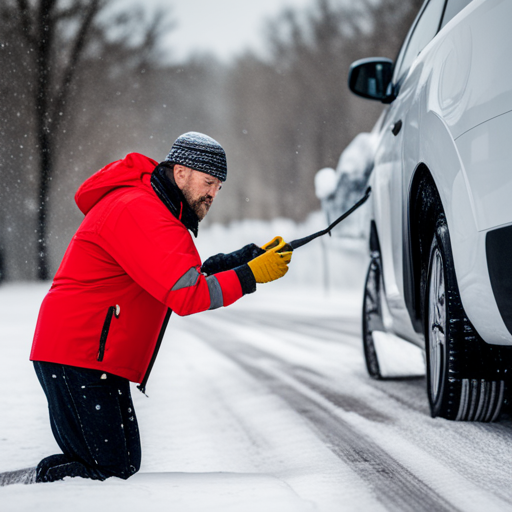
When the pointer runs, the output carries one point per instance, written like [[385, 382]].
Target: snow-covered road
[[264, 406]]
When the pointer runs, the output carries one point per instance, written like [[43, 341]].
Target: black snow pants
[[93, 421]]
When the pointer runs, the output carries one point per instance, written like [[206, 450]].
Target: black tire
[[372, 315], [464, 375]]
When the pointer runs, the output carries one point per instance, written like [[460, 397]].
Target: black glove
[[221, 262]]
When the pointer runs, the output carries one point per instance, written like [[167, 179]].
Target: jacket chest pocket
[[113, 311]]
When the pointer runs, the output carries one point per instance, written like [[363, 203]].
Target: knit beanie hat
[[199, 152]]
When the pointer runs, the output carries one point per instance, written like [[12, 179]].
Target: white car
[[441, 207]]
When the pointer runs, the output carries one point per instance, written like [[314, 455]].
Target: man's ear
[[181, 174]]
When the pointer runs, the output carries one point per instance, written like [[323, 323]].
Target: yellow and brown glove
[[275, 242], [273, 264]]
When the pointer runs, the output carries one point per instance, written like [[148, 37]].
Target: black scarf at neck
[[169, 193]]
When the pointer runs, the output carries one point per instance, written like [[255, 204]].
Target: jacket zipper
[[112, 311], [142, 386]]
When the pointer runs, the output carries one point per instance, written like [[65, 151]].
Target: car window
[[453, 7], [426, 28]]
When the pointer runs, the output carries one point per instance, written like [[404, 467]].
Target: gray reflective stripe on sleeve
[[216, 299], [189, 278]]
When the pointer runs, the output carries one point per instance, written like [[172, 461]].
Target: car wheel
[[372, 315], [463, 381]]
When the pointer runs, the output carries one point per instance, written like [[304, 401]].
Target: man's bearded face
[[199, 190]]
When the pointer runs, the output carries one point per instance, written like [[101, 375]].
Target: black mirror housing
[[371, 78]]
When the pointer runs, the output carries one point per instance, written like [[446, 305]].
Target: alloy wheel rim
[[437, 323], [372, 317], [373, 299]]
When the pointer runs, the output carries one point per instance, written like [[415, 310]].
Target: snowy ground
[[263, 406]]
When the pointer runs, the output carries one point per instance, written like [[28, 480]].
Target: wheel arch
[[373, 242], [424, 206]]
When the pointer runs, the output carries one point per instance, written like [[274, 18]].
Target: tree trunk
[[42, 217], [43, 54]]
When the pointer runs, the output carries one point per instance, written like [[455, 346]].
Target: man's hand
[[272, 264], [275, 242], [221, 262]]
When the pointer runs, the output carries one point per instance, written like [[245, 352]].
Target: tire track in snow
[[329, 329], [405, 396], [397, 488], [339, 330], [469, 472]]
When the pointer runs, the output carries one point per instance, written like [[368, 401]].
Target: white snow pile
[[353, 165], [326, 182], [321, 264], [338, 190], [357, 156]]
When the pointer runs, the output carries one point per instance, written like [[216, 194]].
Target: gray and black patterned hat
[[199, 152]]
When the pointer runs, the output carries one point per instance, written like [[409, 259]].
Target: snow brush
[[295, 244]]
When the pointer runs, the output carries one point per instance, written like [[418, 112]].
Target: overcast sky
[[223, 27]]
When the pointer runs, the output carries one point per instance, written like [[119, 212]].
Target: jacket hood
[[127, 172]]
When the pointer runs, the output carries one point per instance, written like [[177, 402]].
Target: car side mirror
[[371, 78]]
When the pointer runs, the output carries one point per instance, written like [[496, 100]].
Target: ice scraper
[[295, 244]]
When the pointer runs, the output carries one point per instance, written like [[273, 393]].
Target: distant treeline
[[81, 86]]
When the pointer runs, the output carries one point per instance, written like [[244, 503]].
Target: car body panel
[[455, 105], [475, 78]]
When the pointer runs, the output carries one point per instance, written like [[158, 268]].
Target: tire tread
[[474, 386]]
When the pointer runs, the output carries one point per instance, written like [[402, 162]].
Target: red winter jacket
[[129, 261]]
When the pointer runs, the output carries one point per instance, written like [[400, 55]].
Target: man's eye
[[212, 184]]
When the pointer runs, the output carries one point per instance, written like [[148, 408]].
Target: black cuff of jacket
[[221, 262], [246, 278]]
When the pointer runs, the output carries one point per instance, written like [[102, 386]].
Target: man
[[131, 262]]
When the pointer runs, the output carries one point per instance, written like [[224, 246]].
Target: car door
[[395, 160]]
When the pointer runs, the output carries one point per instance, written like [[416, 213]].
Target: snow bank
[[160, 492], [357, 157], [339, 189], [327, 263], [326, 181]]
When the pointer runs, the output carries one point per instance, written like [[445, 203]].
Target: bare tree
[[292, 112], [40, 24], [58, 37]]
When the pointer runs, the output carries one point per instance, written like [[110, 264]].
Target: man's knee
[[126, 464], [128, 472]]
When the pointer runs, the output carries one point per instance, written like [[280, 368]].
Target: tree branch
[[81, 38], [154, 32], [26, 22]]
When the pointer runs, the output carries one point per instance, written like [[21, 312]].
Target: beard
[[199, 205]]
